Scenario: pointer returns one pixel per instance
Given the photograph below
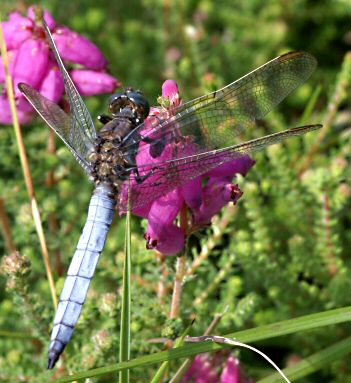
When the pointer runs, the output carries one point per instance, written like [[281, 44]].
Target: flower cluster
[[16, 267], [32, 62], [215, 369], [204, 196]]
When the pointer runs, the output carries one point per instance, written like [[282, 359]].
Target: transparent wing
[[63, 124], [166, 176], [80, 113], [76, 130], [215, 120]]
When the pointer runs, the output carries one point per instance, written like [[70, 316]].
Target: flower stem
[[333, 106], [180, 269], [52, 218], [218, 230], [4, 219], [26, 169], [162, 289], [188, 362], [222, 274]]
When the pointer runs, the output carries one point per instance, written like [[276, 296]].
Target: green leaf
[[179, 342], [313, 363], [124, 350], [310, 105], [15, 334], [290, 326]]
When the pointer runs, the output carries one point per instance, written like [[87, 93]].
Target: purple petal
[[196, 367], [17, 30], [202, 370], [50, 21], [165, 209], [170, 90], [192, 193], [52, 87], [240, 165], [142, 211], [78, 49], [231, 193], [24, 110], [216, 194], [169, 241], [11, 57], [90, 82], [145, 158], [231, 372], [31, 63]]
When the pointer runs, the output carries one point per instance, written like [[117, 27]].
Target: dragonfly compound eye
[[132, 100]]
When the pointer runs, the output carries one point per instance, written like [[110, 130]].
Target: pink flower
[[52, 86], [201, 370], [217, 368], [24, 110], [31, 61], [231, 372], [90, 82], [204, 196], [78, 49], [170, 91], [216, 194], [158, 238], [17, 30]]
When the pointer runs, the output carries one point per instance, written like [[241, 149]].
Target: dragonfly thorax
[[108, 161], [110, 165]]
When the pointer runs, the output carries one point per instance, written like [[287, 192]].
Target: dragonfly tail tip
[[52, 359]]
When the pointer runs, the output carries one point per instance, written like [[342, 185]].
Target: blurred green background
[[285, 251]]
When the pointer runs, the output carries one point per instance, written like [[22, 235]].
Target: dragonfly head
[[131, 104]]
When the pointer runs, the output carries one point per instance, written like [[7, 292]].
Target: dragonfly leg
[[104, 119], [156, 145], [140, 179]]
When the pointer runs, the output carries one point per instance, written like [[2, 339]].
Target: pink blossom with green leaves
[[203, 196], [32, 62]]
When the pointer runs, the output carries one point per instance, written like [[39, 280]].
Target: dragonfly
[[212, 125]]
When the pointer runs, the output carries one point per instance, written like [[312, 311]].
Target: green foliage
[[281, 253]]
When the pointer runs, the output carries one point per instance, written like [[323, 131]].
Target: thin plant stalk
[[17, 335], [222, 274], [162, 289], [124, 349], [333, 106], [26, 170], [180, 270], [52, 218], [179, 342], [5, 222], [219, 228], [313, 362], [310, 105], [177, 378]]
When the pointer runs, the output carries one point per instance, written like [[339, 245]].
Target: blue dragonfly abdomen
[[81, 270]]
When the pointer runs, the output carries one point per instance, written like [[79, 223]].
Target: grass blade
[[124, 349], [314, 362], [16, 334], [26, 169], [310, 105], [289, 326], [179, 342]]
